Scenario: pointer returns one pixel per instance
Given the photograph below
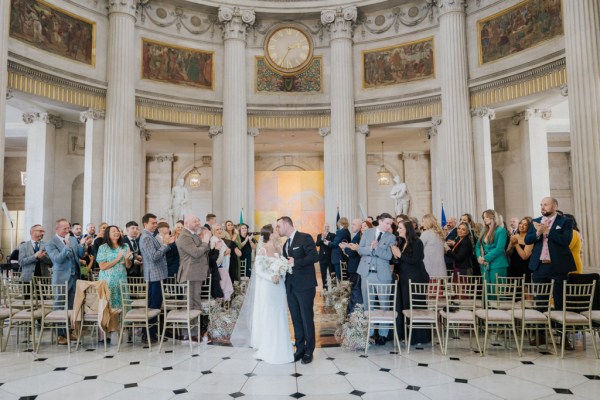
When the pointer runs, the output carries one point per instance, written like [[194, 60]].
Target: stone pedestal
[[582, 44], [340, 146], [122, 141], [482, 149], [235, 120], [534, 144], [455, 134], [41, 170], [93, 179]]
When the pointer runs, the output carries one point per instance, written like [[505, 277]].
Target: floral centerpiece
[[353, 333]]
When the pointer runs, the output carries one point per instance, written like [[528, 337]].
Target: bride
[[263, 320]]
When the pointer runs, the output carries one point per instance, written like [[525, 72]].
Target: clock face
[[288, 50]]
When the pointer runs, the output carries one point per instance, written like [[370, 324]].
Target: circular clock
[[288, 50]]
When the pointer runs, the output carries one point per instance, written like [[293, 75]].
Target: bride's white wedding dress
[[263, 321]]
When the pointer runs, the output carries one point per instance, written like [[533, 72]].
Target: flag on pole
[[337, 219], [241, 216], [444, 222]]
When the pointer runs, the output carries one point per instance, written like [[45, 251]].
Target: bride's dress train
[[263, 321]]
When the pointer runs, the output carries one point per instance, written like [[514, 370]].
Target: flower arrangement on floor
[[224, 314], [353, 333], [337, 297]]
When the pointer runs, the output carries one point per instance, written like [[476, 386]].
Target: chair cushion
[[459, 316], [530, 315], [571, 317], [500, 305], [58, 316], [382, 315], [139, 314], [26, 314], [181, 315], [596, 316], [421, 315], [494, 315], [139, 303], [4, 313]]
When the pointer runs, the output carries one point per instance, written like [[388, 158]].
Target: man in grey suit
[[376, 253], [193, 258], [65, 252], [33, 259]]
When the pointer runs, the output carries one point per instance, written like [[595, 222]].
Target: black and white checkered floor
[[219, 372]]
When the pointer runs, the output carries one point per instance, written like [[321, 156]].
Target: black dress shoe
[[298, 356], [307, 359], [380, 341]]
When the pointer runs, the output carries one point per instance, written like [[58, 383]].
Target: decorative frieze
[[408, 16]]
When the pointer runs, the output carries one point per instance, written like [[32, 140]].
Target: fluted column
[[4, 22], [160, 171], [249, 212], [93, 170], [482, 149], [362, 133], [582, 44], [122, 141], [235, 120], [340, 146], [41, 169], [455, 134], [534, 145], [437, 177], [140, 164], [215, 133]]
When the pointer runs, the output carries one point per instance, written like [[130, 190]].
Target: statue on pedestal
[[401, 196], [179, 201]]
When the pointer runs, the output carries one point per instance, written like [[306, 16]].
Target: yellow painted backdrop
[[297, 194]]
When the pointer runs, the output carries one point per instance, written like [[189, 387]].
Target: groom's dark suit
[[300, 287]]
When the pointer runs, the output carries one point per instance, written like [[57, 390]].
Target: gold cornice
[[298, 121], [180, 114], [402, 113]]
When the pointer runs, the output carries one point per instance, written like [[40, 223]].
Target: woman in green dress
[[113, 257]]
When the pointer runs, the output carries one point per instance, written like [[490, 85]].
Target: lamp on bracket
[[194, 175], [384, 176]]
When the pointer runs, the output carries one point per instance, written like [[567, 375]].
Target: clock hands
[[290, 47]]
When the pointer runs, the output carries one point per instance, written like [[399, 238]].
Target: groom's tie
[[287, 247]]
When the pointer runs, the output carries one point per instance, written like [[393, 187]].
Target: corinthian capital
[[253, 132], [56, 120], [235, 21], [215, 131], [447, 6], [123, 6], [531, 114], [324, 131], [92, 113], [483, 112], [339, 21], [364, 129]]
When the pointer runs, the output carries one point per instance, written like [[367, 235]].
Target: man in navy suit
[[351, 250], [300, 286], [551, 257], [325, 253]]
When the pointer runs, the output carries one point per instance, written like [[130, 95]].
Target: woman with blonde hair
[[490, 247], [433, 242]]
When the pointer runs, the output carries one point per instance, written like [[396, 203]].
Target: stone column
[[235, 118], [437, 179], [534, 145], [93, 178], [362, 133], [216, 134], [582, 44], [482, 149], [4, 23], [455, 135], [121, 142], [162, 184], [140, 164], [340, 146], [41, 169], [249, 212]]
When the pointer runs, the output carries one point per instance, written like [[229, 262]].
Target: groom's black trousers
[[303, 318]]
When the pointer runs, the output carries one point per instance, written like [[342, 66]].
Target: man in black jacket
[[325, 253]]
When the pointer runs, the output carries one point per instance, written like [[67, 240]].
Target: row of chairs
[[469, 303]]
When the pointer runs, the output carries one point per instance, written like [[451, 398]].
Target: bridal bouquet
[[278, 266]]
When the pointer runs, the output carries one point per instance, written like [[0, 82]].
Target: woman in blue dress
[[114, 257]]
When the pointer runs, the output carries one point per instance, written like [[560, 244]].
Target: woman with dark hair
[[113, 257], [519, 252], [408, 255], [462, 251], [490, 248], [575, 246], [245, 243]]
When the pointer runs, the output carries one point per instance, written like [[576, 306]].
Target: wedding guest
[[325, 254], [519, 252], [575, 246], [223, 258], [178, 229], [164, 231], [33, 259], [351, 251], [491, 246], [114, 257], [366, 224], [211, 219], [230, 232], [246, 244], [462, 252], [408, 255], [341, 236], [132, 239], [433, 243]]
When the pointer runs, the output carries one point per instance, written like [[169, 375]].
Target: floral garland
[[338, 297], [353, 333], [224, 314]]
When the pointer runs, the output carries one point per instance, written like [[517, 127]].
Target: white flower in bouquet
[[278, 266]]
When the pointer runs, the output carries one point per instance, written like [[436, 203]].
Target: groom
[[300, 286]]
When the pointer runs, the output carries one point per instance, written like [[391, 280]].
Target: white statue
[[401, 196], [179, 201]]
